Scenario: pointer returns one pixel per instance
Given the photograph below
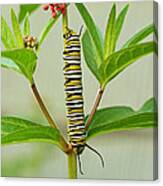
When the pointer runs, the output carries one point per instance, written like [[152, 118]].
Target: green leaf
[[120, 21], [120, 60], [47, 29], [149, 106], [27, 8], [9, 64], [139, 36], [90, 56], [7, 36], [121, 118], [109, 42], [16, 130], [25, 59], [26, 26], [16, 29], [93, 30]]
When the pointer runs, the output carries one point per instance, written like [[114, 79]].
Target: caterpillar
[[74, 93]]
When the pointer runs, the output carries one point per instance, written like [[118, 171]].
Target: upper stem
[[42, 105], [94, 108], [64, 22], [64, 146]]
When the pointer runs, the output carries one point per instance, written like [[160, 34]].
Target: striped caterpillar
[[73, 89]]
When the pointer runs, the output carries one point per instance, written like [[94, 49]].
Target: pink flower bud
[[53, 14], [46, 7]]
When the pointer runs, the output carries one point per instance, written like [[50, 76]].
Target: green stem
[[64, 145], [64, 22], [42, 105], [95, 106], [72, 166]]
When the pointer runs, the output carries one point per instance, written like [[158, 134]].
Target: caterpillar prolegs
[[74, 94]]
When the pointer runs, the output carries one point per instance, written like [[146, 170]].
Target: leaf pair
[[124, 118], [100, 57], [16, 57], [16, 130], [20, 60], [107, 120]]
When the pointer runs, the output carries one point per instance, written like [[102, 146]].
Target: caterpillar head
[[80, 149]]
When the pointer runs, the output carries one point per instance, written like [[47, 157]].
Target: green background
[[128, 155]]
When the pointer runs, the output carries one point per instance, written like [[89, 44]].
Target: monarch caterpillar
[[73, 89]]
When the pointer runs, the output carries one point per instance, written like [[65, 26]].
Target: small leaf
[[26, 26], [16, 130], [7, 36], [16, 29], [90, 56], [109, 44], [120, 60], [25, 59], [139, 36], [149, 106], [27, 8], [9, 64], [47, 29], [121, 118], [120, 21], [93, 30]]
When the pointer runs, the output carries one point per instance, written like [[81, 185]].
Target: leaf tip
[[13, 15], [113, 7], [127, 6], [12, 11]]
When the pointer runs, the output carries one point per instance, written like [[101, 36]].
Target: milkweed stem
[[42, 105], [64, 145], [72, 165], [95, 106], [64, 21]]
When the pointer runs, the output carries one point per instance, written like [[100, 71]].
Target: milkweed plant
[[103, 59]]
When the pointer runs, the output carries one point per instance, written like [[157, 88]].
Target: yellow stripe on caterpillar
[[74, 97], [72, 67], [73, 82]]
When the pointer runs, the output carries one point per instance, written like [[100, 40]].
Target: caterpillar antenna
[[80, 31], [79, 162], [96, 152]]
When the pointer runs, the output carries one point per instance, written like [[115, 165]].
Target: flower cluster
[[56, 8], [30, 42]]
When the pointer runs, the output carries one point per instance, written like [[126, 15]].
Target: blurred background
[[128, 155]]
